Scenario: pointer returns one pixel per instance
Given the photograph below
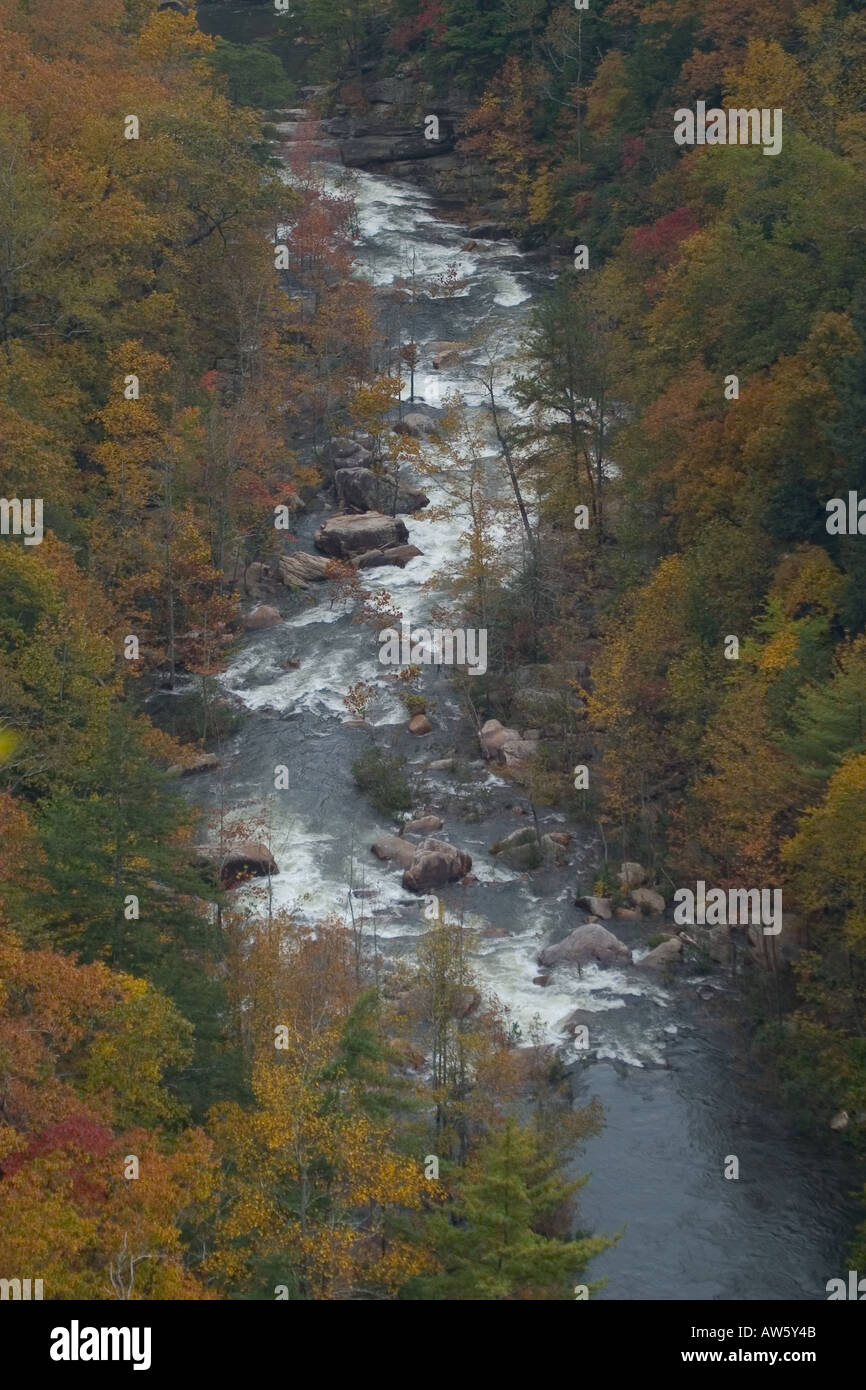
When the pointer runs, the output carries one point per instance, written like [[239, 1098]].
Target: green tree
[[489, 1241]]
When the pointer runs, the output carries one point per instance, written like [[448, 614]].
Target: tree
[[487, 1242]]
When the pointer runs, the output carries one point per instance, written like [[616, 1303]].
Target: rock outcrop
[[589, 943], [250, 859], [299, 569], [346, 534], [434, 864], [663, 955], [262, 617], [394, 847], [398, 555], [367, 491]]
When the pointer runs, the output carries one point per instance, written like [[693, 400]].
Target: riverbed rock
[[261, 617], [393, 847], [257, 580], [419, 724], [398, 555], [415, 424], [591, 942], [250, 859], [525, 835], [299, 569], [202, 762], [649, 899], [490, 231], [663, 955], [435, 863], [342, 453], [632, 874], [578, 1018], [422, 825], [346, 534], [369, 146], [446, 354], [441, 765], [367, 491], [599, 907]]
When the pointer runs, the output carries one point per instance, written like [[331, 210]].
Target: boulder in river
[[446, 354], [299, 569], [435, 863], [599, 907], [420, 724], [394, 847], [415, 424], [591, 942], [373, 492], [201, 762], [647, 899], [422, 825], [632, 874], [663, 955], [507, 746], [342, 453], [250, 859], [344, 535], [262, 617], [398, 555]]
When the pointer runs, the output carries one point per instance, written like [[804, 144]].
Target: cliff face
[[402, 126]]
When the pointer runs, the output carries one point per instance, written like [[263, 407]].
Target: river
[[677, 1097]]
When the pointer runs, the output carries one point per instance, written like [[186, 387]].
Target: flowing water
[[662, 1062]]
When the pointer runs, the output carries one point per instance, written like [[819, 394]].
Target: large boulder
[[200, 762], [667, 953], [422, 825], [299, 569], [262, 617], [398, 555], [419, 724], [632, 874], [446, 354], [435, 863], [516, 751], [363, 149], [599, 907], [591, 942], [343, 535], [250, 859], [415, 424], [648, 900], [396, 848], [342, 453], [367, 491]]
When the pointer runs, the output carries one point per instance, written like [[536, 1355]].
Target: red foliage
[[427, 23], [77, 1132], [662, 240], [632, 149]]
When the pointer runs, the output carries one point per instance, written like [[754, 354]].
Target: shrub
[[380, 775]]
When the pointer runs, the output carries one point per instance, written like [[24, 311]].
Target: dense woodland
[[159, 388]]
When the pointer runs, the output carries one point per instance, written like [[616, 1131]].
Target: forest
[[202, 1094]]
